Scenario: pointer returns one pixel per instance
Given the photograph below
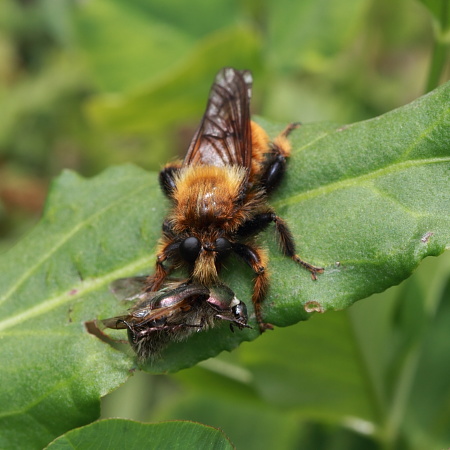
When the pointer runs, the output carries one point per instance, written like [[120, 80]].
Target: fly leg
[[167, 178], [155, 281], [257, 260], [287, 244], [275, 166]]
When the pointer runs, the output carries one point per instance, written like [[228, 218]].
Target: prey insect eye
[[222, 245], [240, 311], [190, 248]]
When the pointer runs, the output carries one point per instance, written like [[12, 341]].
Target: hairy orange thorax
[[205, 196]]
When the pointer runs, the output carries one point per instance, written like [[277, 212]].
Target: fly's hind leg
[[281, 144], [287, 245], [271, 177], [275, 166]]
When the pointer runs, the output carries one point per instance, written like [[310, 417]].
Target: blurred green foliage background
[[88, 84]]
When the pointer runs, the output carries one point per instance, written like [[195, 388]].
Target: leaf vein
[[81, 225]]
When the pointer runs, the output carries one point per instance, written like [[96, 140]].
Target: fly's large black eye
[[223, 246], [190, 248]]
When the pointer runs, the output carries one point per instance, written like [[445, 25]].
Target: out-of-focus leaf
[[440, 9], [119, 433], [297, 22], [180, 93], [250, 424], [426, 413], [123, 47], [28, 110], [403, 342], [311, 371], [127, 43], [293, 368]]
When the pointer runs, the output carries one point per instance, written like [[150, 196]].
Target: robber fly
[[174, 313], [219, 194]]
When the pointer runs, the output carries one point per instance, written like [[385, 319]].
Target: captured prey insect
[[174, 313], [219, 194]]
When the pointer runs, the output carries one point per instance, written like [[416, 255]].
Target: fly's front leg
[[167, 178], [257, 260], [155, 281], [167, 181]]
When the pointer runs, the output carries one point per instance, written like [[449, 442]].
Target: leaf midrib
[[85, 286], [391, 168], [357, 181]]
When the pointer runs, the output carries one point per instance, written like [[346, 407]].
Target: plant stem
[[441, 48], [438, 62]]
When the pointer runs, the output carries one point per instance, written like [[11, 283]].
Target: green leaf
[[367, 201], [423, 413], [119, 433], [121, 43]]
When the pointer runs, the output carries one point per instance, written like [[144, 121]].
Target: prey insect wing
[[153, 306]]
